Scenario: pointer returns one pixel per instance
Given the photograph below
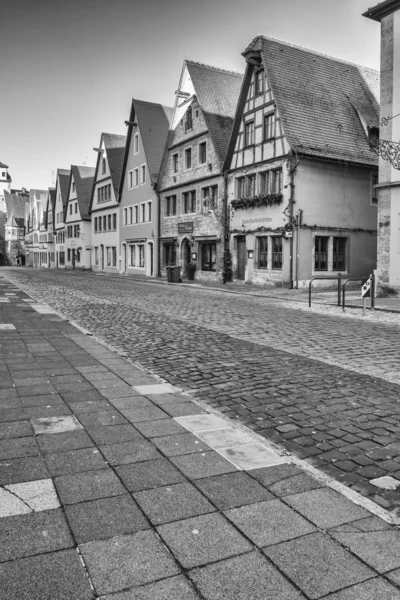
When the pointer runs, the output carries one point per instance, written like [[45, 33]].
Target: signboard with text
[[185, 227]]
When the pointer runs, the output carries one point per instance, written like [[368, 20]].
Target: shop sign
[[185, 227]]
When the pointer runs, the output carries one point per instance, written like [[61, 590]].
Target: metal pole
[[364, 305], [339, 286], [372, 291], [344, 296], [309, 294]]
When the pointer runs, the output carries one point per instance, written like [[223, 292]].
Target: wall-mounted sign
[[185, 227]]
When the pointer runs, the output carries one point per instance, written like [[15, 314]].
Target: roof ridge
[[213, 68], [138, 101], [113, 134], [311, 51]]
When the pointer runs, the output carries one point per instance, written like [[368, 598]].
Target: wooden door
[[241, 257]]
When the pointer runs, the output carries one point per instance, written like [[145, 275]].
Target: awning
[[168, 239]]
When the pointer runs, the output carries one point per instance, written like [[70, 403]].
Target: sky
[[69, 70]]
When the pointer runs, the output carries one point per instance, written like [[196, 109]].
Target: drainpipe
[[226, 224], [158, 232], [293, 167]]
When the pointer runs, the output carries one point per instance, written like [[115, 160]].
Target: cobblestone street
[[323, 386]]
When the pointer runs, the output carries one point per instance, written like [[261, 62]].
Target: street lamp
[[250, 253]]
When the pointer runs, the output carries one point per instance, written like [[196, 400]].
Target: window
[[321, 253], [269, 126], [103, 165], [76, 207], [189, 119], [276, 252], [259, 82], [240, 181], [133, 256], [143, 212], [114, 218], [130, 215], [136, 177], [142, 174], [374, 198], [141, 255], [249, 133], [62, 258], [70, 209], [69, 254], [100, 222], [170, 206], [96, 255], [175, 158], [250, 186], [104, 223], [130, 179], [188, 158], [149, 215], [114, 256], [95, 224], [209, 196], [125, 216], [169, 254], [69, 231], [73, 186], [108, 251], [77, 231], [208, 256], [136, 143], [263, 183], [109, 222], [203, 152], [339, 254], [189, 201], [136, 213], [262, 253], [276, 184]]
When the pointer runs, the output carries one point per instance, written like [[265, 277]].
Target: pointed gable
[[217, 92], [115, 147], [322, 100], [63, 181], [83, 178]]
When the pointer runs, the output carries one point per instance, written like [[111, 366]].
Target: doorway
[[186, 255], [124, 254], [102, 258], [241, 257], [150, 262]]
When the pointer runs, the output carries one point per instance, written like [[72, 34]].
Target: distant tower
[[5, 184]]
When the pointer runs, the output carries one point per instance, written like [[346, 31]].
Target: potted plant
[[190, 269]]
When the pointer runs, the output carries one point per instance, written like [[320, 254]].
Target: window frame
[[175, 163], [276, 253], [143, 174], [249, 142], [318, 252], [130, 179], [262, 252], [170, 205], [269, 129], [208, 264], [259, 89], [335, 267], [202, 152], [136, 177], [136, 143], [188, 153]]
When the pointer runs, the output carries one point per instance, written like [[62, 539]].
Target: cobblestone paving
[[254, 359]]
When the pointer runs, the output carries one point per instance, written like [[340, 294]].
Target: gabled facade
[[299, 159], [50, 211], [5, 185], [138, 216], [36, 234], [191, 183], [77, 219], [62, 182], [104, 207], [14, 235]]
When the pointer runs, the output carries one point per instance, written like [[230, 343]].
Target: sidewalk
[[115, 485]]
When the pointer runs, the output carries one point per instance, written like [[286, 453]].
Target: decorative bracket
[[387, 150]]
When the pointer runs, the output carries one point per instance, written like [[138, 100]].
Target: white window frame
[[142, 215], [186, 168], [149, 211], [198, 152], [142, 174], [130, 179], [136, 177], [136, 214], [130, 215], [174, 172], [125, 216], [136, 143]]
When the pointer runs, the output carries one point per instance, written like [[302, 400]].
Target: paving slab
[[114, 434], [136, 415], [318, 565], [156, 388], [123, 561], [89, 406], [130, 452], [48, 425], [202, 422], [22, 469], [379, 549], [74, 461], [326, 508], [225, 438], [232, 490], [373, 589], [149, 474], [159, 428], [295, 485], [130, 402], [37, 495], [175, 445], [244, 577], [56, 576], [61, 442], [172, 503], [252, 456], [90, 485], [33, 533], [11, 505], [174, 588], [204, 539], [15, 429], [105, 518], [202, 464], [101, 418], [18, 448], [182, 409]]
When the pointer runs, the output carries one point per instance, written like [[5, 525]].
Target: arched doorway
[[150, 260], [185, 255]]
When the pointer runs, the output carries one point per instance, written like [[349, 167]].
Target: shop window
[[339, 254], [277, 252], [321, 253], [262, 253], [208, 256]]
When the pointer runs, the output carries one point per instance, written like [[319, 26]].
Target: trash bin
[[169, 274], [176, 274]]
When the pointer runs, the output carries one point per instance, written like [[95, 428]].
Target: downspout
[[226, 224], [293, 164], [158, 231]]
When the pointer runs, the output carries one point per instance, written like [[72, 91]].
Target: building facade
[[14, 231], [385, 136], [139, 213], [77, 220], [300, 171], [104, 206], [36, 254], [61, 194], [191, 183]]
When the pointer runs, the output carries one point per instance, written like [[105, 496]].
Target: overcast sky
[[68, 70]]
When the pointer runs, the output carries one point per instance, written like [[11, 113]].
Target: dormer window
[[189, 119], [259, 82]]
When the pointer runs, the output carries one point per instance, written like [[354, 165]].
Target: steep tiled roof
[[3, 165], [319, 98], [218, 92], [15, 204], [154, 120], [83, 177], [63, 176], [115, 148]]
